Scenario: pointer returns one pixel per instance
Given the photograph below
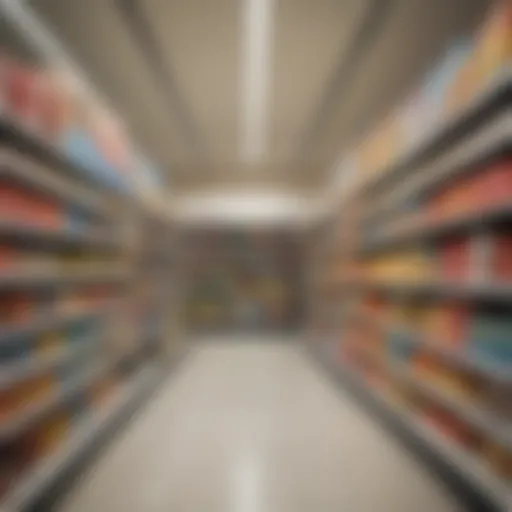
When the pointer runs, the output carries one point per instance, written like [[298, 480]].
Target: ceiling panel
[[198, 44]]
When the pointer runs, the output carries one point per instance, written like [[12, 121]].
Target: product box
[[50, 433], [489, 336], [499, 459], [494, 185], [20, 92], [500, 267], [494, 42], [455, 259], [438, 82]]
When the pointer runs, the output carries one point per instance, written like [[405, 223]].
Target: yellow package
[[494, 44]]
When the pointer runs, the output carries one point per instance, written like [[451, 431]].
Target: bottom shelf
[[469, 467], [48, 470]]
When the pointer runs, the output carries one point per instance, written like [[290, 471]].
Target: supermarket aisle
[[254, 428]]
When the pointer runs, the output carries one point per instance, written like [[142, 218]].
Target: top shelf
[[20, 135], [493, 97]]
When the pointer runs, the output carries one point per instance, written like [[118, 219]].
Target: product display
[[243, 280], [65, 288], [427, 323]]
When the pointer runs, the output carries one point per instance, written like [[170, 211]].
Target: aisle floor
[[254, 428]]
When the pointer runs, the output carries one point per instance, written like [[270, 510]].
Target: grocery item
[[489, 335], [455, 259], [499, 458], [494, 43], [23, 394], [50, 433], [500, 258]]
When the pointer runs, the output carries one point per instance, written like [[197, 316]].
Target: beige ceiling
[[184, 106]]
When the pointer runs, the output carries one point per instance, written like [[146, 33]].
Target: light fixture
[[257, 24]]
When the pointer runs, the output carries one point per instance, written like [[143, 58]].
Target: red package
[[8, 258], [501, 258], [458, 317], [52, 110], [455, 259], [496, 185], [20, 92]]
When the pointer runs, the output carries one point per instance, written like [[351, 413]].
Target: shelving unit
[[420, 281], [97, 358], [78, 349], [467, 465], [49, 469]]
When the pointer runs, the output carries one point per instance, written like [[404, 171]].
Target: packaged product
[[500, 266], [438, 82], [494, 42], [20, 92], [15, 349], [455, 259], [50, 342], [54, 110], [452, 427], [50, 433], [8, 258], [456, 325], [23, 394], [499, 459], [489, 335]]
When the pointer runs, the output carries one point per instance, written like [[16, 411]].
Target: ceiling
[[173, 69]]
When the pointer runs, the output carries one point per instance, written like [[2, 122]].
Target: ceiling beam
[[144, 35], [377, 11]]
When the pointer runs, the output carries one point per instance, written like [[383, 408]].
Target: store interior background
[[210, 170]]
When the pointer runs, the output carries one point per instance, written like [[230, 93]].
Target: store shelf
[[470, 413], [21, 168], [42, 150], [55, 465], [491, 99], [461, 359], [49, 321], [37, 410], [19, 278], [486, 144], [465, 465], [30, 367], [428, 230], [44, 236], [472, 291]]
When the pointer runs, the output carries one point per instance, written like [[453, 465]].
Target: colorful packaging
[[455, 259], [494, 44], [500, 270], [489, 336], [20, 92]]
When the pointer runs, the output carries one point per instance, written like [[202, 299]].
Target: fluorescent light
[[257, 18]]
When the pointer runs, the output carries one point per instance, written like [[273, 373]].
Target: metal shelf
[[19, 134], [427, 229], [33, 484], [29, 278], [492, 371], [472, 291], [21, 168], [29, 367], [50, 320], [499, 431], [51, 236], [465, 464], [487, 143], [34, 412], [493, 97]]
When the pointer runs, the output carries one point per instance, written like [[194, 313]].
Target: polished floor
[[248, 427]]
